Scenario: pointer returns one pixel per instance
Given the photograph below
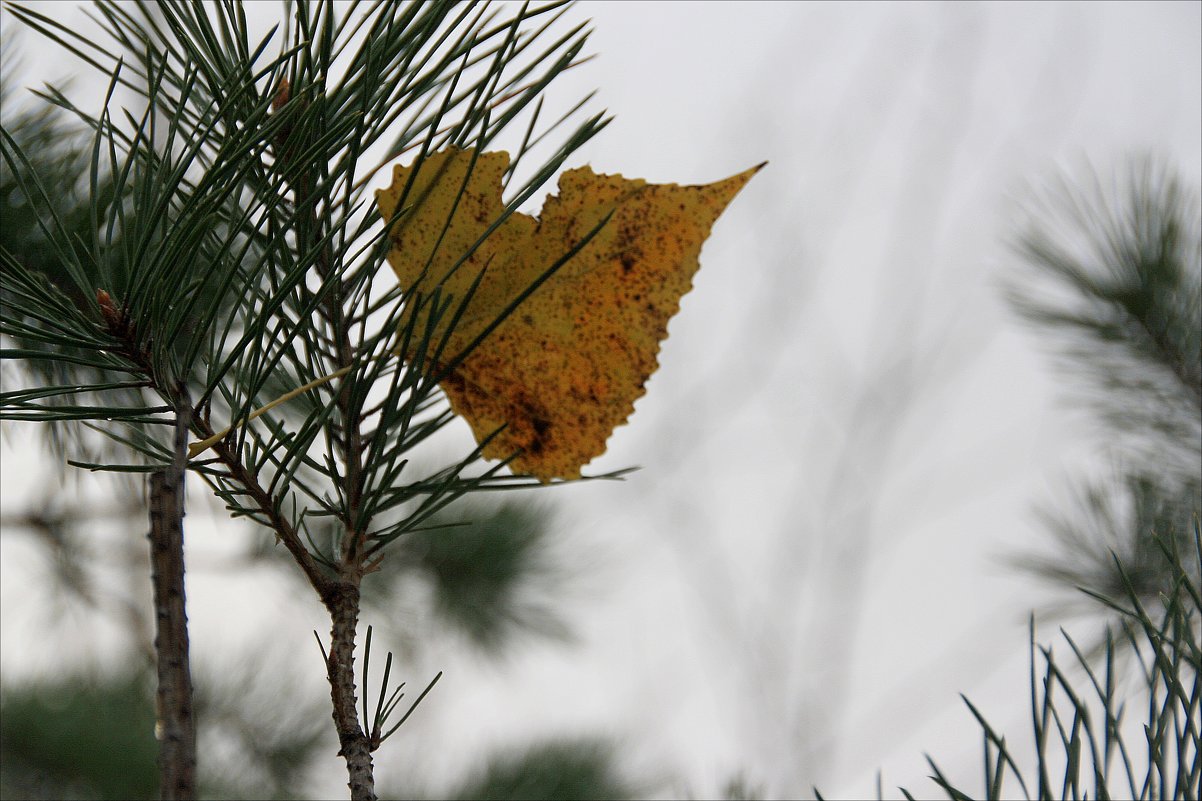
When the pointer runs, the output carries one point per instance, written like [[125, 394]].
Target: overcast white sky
[[848, 430]]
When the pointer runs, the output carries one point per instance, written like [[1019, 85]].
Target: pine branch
[[1115, 277], [176, 728], [238, 253], [354, 745]]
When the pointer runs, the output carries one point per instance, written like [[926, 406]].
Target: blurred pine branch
[[1114, 280], [1114, 283]]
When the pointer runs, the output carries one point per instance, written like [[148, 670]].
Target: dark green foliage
[[557, 770], [482, 572], [226, 267], [224, 213], [58, 158], [1115, 538], [85, 739], [1115, 281], [1086, 743], [79, 739]]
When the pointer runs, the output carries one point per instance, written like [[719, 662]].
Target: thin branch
[[175, 727]]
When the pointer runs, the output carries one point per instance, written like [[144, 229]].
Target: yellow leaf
[[564, 369]]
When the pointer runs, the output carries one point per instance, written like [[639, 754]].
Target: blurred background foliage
[[583, 769], [1113, 287], [490, 572], [60, 159], [74, 738]]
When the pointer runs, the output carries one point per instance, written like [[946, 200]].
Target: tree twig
[[354, 745], [175, 727], [341, 596]]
